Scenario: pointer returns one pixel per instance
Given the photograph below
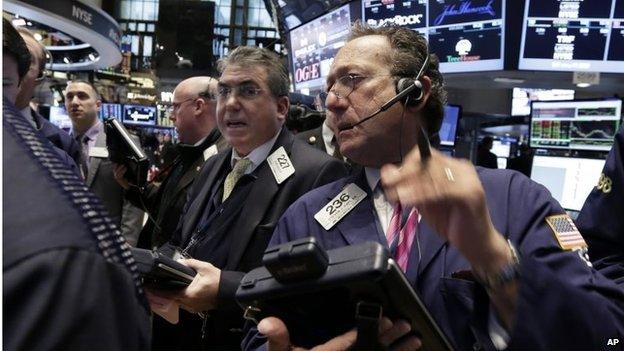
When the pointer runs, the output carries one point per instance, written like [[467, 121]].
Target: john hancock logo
[[464, 8]]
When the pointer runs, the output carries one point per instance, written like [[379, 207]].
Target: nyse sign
[[308, 72]]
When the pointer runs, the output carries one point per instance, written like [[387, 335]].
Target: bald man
[[193, 114], [33, 78]]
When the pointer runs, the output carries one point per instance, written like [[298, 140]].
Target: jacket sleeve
[[145, 199], [131, 222], [71, 299], [563, 303]]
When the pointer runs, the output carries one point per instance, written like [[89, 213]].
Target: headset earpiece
[[410, 87]]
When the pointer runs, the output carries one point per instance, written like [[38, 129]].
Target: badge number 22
[[283, 161]]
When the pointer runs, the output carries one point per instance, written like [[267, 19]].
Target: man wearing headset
[[477, 245]]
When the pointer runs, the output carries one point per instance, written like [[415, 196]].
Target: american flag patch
[[566, 233]]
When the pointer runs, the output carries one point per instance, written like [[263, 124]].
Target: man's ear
[[283, 106], [426, 89], [199, 106]]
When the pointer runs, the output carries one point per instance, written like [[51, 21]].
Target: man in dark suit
[[601, 220], [485, 157], [69, 280], [16, 63], [322, 138], [82, 104], [489, 252], [241, 193], [193, 114], [194, 107], [32, 79]]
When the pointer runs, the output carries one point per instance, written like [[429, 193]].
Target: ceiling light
[[18, 22], [583, 85]]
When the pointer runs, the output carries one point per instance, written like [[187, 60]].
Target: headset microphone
[[405, 87]]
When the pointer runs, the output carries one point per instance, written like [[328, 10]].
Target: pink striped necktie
[[406, 234]]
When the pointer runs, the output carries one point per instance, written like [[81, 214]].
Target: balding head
[[194, 107], [37, 66]]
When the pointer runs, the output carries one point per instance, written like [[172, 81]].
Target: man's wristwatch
[[509, 273]]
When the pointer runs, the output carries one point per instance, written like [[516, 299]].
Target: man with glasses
[[490, 253], [31, 81], [240, 194], [193, 113]]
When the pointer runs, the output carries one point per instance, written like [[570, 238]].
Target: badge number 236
[[336, 204]]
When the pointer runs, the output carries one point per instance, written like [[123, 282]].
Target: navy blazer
[[601, 220], [58, 137], [69, 280], [563, 303]]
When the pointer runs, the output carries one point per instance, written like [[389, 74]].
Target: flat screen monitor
[[294, 13], [573, 36], [569, 180], [575, 124], [522, 97], [448, 130], [313, 47], [108, 110], [139, 115], [466, 36], [60, 118]]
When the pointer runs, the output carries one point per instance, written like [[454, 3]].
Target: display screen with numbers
[[573, 35]]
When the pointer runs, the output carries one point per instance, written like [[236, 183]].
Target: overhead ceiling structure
[[84, 37]]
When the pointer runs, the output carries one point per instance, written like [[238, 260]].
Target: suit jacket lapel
[[261, 195], [360, 224], [94, 162], [197, 207], [188, 177], [430, 246]]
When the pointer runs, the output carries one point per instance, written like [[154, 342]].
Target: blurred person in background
[[33, 78], [83, 103]]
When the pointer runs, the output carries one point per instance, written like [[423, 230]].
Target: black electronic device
[[332, 298], [159, 271], [123, 150]]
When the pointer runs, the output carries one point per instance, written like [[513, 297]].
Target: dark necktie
[[83, 141], [336, 153]]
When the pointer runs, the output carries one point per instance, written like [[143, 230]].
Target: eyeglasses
[[244, 91], [345, 85], [342, 88], [176, 105]]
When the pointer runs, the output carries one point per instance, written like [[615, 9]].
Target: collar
[[200, 141], [327, 133], [373, 176], [257, 155], [192, 150], [27, 113], [92, 132]]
